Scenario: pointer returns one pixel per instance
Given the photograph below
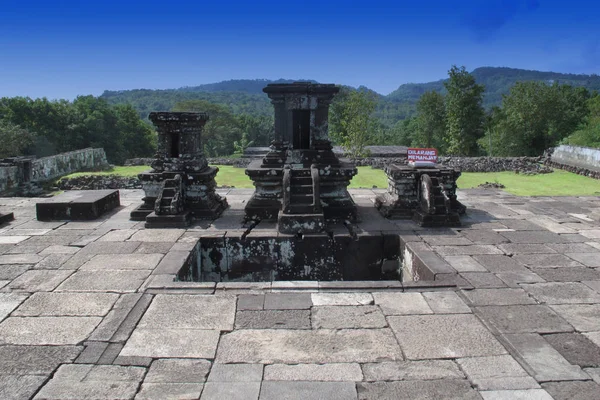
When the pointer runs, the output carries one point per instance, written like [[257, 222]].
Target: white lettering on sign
[[415, 154]]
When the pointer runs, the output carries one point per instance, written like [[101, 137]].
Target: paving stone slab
[[3, 283], [500, 263], [233, 391], [236, 373], [178, 370], [498, 297], [595, 285], [584, 317], [513, 279], [563, 248], [467, 250], [496, 373], [525, 248], [27, 249], [524, 318], [171, 343], [296, 390], [22, 387], [483, 279], [53, 261], [484, 236], [81, 381], [190, 312], [444, 336], [562, 293], [171, 262], [250, 302], [103, 281], [594, 337], [67, 304], [116, 317], [574, 274], [594, 373], [575, 348], [161, 391], [12, 239], [8, 302], [546, 363], [154, 247], [287, 301], [59, 249], [587, 259], [35, 360], [39, 280], [11, 271], [332, 372], [438, 389], [534, 237], [394, 303], [304, 346], [110, 248], [464, 264], [546, 260], [117, 235], [342, 299], [157, 235], [46, 330], [122, 262], [20, 259], [530, 394], [409, 370], [272, 319], [340, 317], [447, 302], [576, 390]]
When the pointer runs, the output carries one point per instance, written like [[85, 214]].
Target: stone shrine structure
[[301, 182], [181, 185], [426, 194]]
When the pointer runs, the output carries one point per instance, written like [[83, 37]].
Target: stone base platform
[[78, 205]]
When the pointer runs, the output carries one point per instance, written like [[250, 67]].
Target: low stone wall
[[493, 164], [10, 176], [98, 182], [578, 160]]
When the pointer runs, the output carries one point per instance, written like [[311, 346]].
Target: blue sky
[[65, 48]]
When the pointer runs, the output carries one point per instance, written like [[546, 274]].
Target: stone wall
[[20, 170], [579, 160], [493, 164]]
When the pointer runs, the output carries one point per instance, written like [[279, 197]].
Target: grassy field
[[558, 183]]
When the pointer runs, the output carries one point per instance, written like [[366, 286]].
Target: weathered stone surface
[[446, 302], [172, 343], [525, 248], [103, 281], [534, 237], [46, 330], [82, 381], [12, 239], [115, 318], [483, 279], [117, 235], [53, 261], [563, 248], [236, 373], [438, 389], [594, 337], [161, 391], [467, 250], [67, 304], [35, 360], [584, 317], [171, 262], [499, 263], [190, 312], [298, 346], [408, 370], [465, 264], [496, 373], [524, 318], [513, 279], [402, 303], [177, 370], [529, 394], [250, 302], [340, 317], [122, 262], [110, 248], [9, 271], [444, 336], [8, 302], [20, 259], [574, 274], [341, 299], [575, 348], [232, 390], [546, 363], [22, 387], [333, 372], [154, 247], [594, 373], [287, 301], [59, 249], [562, 293], [573, 390], [39, 280], [588, 259], [546, 260], [273, 319], [157, 235], [274, 390], [499, 297]]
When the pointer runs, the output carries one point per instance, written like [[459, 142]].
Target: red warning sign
[[415, 154]]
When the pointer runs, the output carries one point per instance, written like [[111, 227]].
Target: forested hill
[[246, 96]]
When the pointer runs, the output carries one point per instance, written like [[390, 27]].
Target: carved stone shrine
[[181, 185], [301, 183], [426, 195]]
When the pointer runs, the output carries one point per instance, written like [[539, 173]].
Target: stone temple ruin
[[181, 185], [301, 183]]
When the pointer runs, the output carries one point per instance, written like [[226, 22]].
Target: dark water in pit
[[323, 257]]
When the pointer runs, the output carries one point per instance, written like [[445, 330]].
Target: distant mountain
[[246, 96]]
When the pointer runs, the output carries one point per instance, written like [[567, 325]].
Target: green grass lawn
[[558, 183]]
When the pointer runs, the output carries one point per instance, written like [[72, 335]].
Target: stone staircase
[[301, 211]]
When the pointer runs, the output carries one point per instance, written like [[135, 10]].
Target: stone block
[[157, 235], [446, 302], [78, 205], [562, 293], [46, 330], [576, 390], [465, 264], [528, 394], [524, 318], [496, 373], [172, 343], [231, 390], [67, 304], [287, 301], [434, 389], [575, 348], [483, 279], [236, 373], [584, 317], [102, 262], [296, 390], [498, 297], [411, 370], [332, 372], [35, 360], [341, 317], [273, 319], [103, 281], [161, 391], [178, 370], [341, 299], [402, 303], [250, 302]]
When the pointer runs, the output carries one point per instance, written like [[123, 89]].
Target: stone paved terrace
[[84, 313]]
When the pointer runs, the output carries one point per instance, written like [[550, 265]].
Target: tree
[[353, 122], [464, 113], [431, 121], [14, 140], [588, 134], [241, 145]]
